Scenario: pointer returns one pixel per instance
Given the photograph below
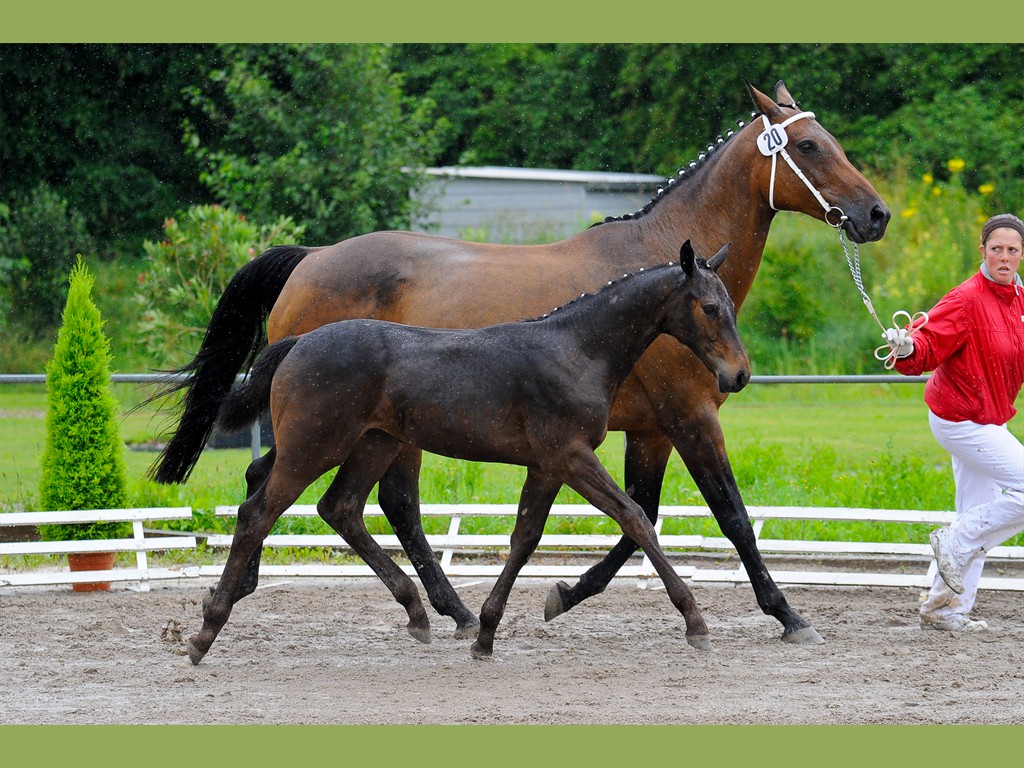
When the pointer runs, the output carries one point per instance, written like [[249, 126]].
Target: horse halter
[[772, 142]]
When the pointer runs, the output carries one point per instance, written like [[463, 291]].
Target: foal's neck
[[619, 322]]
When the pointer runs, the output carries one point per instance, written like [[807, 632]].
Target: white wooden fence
[[457, 546], [139, 543], [456, 541]]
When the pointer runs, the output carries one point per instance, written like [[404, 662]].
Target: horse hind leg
[[398, 495], [647, 456], [342, 507]]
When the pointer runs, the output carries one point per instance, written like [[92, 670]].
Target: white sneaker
[[955, 623], [950, 568]]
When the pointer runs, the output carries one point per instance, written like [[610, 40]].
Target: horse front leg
[[535, 502], [647, 455], [584, 474], [399, 499], [705, 457]]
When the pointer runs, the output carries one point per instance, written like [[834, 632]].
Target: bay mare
[[669, 401], [537, 394]]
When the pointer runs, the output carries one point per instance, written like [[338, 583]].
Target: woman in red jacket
[[974, 342]]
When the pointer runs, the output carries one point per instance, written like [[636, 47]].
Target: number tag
[[772, 140]]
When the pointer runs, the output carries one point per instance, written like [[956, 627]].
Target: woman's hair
[[1000, 221]]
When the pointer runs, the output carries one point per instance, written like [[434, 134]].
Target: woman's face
[[1002, 252]]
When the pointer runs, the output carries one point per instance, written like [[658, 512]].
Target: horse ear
[[716, 261], [762, 102], [687, 260], [782, 95]]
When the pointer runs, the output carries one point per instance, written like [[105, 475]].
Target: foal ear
[[762, 102], [716, 261], [687, 260]]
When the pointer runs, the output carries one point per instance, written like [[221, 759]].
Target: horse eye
[[806, 146]]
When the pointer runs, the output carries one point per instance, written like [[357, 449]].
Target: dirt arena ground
[[336, 652]]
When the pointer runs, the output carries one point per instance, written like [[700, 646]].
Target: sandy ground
[[336, 652]]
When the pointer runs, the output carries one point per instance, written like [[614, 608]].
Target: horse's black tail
[[247, 402], [233, 339]]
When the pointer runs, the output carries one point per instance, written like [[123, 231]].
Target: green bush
[[83, 463], [39, 238], [188, 271]]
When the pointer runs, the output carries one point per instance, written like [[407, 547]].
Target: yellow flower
[[956, 164], [936, 191], [906, 213], [987, 189], [928, 178]]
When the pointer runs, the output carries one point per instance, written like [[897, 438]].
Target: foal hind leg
[[583, 472], [538, 494], [647, 456], [342, 507], [256, 517], [399, 499], [255, 476]]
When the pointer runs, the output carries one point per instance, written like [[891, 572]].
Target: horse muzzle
[[728, 382], [868, 226]]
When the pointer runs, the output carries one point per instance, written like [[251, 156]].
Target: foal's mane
[[608, 286], [685, 175]]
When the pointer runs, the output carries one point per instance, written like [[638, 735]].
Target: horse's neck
[[719, 204]]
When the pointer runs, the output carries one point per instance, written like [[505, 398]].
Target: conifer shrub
[[83, 464]]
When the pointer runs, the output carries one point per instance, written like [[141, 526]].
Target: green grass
[[856, 445]]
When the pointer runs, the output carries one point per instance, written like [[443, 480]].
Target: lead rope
[[773, 141]]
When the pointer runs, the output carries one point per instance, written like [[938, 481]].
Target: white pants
[[988, 468]]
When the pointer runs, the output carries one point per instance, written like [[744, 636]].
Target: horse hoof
[[805, 636], [554, 605], [194, 654], [468, 630], [700, 642], [422, 634]]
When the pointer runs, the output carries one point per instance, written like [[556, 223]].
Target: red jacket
[[974, 341]]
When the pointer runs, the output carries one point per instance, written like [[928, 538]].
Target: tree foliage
[[83, 463], [321, 133]]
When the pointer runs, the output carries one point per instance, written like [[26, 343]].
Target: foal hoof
[[806, 636], [194, 654], [554, 605], [468, 629], [478, 652], [700, 642], [422, 634]]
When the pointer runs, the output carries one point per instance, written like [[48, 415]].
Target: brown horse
[[537, 394], [731, 193]]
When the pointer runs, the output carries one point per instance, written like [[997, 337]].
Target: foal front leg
[[342, 507], [400, 500], [584, 473], [647, 456], [535, 502]]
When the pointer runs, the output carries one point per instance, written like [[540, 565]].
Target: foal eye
[[710, 310]]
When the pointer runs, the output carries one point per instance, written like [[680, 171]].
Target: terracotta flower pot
[[91, 561]]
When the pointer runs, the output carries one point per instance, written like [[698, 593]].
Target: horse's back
[[424, 280]]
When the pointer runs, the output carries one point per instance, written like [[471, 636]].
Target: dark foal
[[535, 393]]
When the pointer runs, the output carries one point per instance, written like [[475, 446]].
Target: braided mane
[[685, 174]]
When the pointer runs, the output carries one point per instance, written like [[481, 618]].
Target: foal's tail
[[250, 400], [233, 339]]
